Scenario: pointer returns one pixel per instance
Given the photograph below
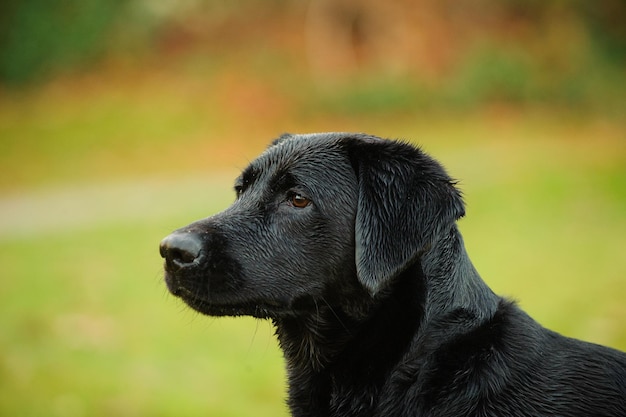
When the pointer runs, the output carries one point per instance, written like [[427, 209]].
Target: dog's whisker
[[254, 333], [332, 310]]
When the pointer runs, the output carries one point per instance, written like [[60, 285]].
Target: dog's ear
[[406, 201]]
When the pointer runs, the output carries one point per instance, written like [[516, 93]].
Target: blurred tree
[[40, 36], [607, 22], [524, 46]]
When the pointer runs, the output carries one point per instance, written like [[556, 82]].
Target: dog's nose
[[181, 249]]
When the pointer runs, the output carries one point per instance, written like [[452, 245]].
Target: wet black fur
[[376, 304]]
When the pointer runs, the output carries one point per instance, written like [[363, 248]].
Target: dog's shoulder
[[512, 364]]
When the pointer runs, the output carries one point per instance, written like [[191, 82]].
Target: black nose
[[181, 249]]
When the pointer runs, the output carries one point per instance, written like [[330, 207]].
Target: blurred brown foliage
[[427, 39], [261, 57]]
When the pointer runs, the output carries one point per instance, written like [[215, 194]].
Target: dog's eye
[[299, 201], [238, 190]]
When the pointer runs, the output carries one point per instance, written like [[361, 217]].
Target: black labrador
[[349, 244]]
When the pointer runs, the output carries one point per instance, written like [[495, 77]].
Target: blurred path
[[69, 208]]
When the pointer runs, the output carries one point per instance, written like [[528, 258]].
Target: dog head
[[317, 217]]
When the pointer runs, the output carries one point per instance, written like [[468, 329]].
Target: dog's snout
[[181, 249]]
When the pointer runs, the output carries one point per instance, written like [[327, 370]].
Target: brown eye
[[299, 201]]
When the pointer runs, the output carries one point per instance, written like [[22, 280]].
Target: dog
[[349, 244]]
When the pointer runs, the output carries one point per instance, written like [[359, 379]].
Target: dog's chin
[[221, 309], [263, 310]]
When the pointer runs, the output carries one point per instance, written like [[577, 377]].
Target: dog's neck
[[452, 282], [329, 353], [330, 349]]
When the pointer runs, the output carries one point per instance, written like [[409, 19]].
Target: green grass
[[88, 328]]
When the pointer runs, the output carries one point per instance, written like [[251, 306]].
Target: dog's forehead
[[310, 151]]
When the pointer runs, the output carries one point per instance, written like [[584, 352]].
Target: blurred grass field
[[99, 165]]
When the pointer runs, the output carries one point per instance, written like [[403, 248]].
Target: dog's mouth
[[255, 308], [262, 311]]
